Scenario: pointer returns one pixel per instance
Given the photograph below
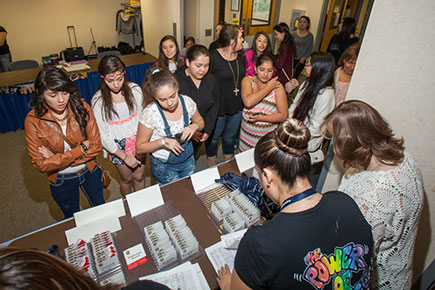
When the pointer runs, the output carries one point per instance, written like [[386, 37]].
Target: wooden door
[[257, 15], [336, 11]]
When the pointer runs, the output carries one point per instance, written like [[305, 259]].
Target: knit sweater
[[391, 201]]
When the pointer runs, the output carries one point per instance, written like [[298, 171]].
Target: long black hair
[[322, 76], [348, 27], [51, 78], [267, 50], [163, 61], [288, 39], [109, 65]]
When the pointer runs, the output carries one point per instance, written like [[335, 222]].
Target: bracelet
[[84, 148], [163, 142], [125, 157]]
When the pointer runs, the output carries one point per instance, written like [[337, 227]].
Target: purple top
[[250, 64]]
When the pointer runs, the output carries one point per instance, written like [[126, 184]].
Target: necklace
[[236, 90], [298, 197], [61, 119]]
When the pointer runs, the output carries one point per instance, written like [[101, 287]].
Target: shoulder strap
[[185, 116], [61, 134]]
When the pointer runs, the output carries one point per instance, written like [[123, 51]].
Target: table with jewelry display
[[184, 225]]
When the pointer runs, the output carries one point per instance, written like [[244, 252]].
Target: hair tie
[[155, 71]]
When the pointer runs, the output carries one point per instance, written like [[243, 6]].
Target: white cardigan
[[323, 105], [106, 129]]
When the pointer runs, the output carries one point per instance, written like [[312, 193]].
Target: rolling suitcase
[[73, 53]]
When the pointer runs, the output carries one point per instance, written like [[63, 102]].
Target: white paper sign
[[114, 208], [144, 200], [245, 160], [204, 178], [89, 230]]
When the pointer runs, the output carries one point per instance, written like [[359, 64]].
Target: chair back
[[109, 52], [23, 64]]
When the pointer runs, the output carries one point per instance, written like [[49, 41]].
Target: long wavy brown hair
[[359, 132], [51, 78]]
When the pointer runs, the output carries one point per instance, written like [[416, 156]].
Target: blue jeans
[[66, 190], [165, 172], [5, 60], [226, 127]]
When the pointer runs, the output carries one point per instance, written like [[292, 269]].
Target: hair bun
[[292, 137]]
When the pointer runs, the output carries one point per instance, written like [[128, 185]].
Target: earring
[[268, 185]]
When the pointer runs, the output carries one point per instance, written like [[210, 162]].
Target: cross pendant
[[236, 91]]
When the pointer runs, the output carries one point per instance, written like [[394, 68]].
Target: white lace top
[[152, 119], [391, 201]]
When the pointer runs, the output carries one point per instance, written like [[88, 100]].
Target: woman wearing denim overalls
[[168, 122]]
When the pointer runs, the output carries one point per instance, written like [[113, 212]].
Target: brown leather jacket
[[40, 133]]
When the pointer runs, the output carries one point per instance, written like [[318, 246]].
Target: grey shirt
[[304, 45]]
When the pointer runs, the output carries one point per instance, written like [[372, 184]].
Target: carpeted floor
[[25, 199]]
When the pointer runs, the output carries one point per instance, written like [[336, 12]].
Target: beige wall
[[38, 28], [157, 19], [191, 15], [312, 9], [395, 74], [206, 21]]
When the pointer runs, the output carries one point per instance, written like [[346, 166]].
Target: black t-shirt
[[314, 249], [229, 103], [206, 96], [4, 48], [214, 45]]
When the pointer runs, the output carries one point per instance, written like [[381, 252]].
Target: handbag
[[105, 176], [187, 146]]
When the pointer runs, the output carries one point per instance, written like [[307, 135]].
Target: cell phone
[[178, 138]]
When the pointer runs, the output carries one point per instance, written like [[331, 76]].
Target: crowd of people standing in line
[[206, 97]]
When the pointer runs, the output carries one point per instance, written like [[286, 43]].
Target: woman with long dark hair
[[304, 40], [228, 67], [265, 103], [386, 183], [116, 106], [306, 244], [168, 122], [285, 56], [63, 140], [260, 45], [169, 54], [195, 81], [315, 98], [343, 39]]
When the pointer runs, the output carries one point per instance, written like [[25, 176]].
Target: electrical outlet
[[208, 32]]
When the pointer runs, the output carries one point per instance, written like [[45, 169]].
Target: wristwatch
[[163, 142]]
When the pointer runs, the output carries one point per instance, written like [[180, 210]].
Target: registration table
[[182, 195], [14, 107]]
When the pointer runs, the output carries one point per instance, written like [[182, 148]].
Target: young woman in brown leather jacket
[[63, 141]]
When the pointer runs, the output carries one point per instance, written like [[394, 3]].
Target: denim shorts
[[167, 172]]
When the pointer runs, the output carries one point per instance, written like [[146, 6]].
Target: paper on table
[[89, 230], [219, 256], [183, 277], [201, 277], [232, 240], [204, 178], [245, 160], [144, 200], [115, 208]]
